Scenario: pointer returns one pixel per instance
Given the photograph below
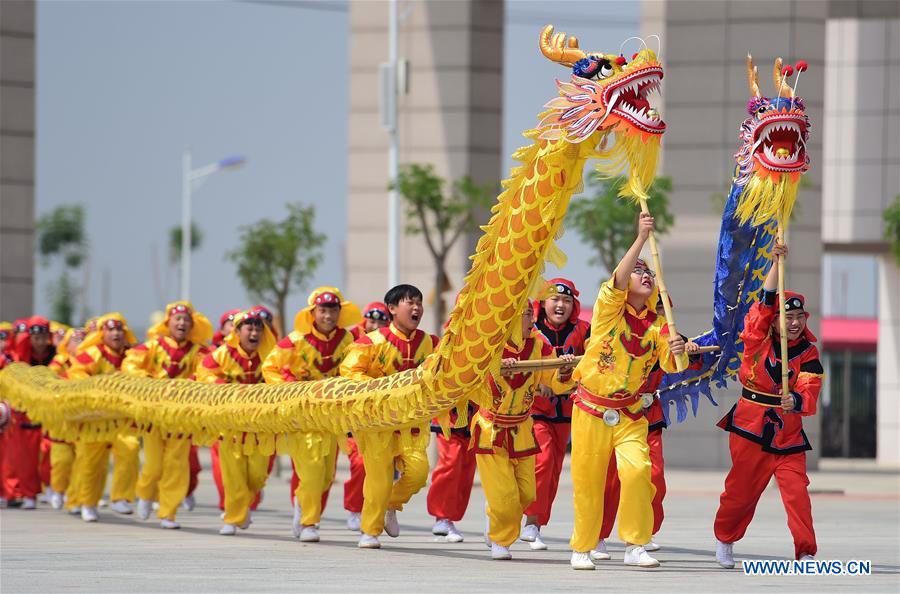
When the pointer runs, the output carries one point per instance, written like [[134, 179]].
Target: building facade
[[17, 124]]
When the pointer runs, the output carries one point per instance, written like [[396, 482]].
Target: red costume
[[22, 438], [765, 439], [553, 416], [454, 473]]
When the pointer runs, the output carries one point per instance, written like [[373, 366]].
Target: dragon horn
[[555, 47], [752, 77], [778, 79]]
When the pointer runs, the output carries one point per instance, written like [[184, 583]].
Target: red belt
[[504, 421], [616, 401]]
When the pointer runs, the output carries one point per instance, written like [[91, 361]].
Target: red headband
[[326, 299]]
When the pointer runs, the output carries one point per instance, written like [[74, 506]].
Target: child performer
[[175, 349], [398, 347], [608, 418], [313, 351], [503, 438], [557, 319], [766, 427], [239, 361]]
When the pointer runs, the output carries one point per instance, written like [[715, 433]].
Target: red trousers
[[217, 477], [451, 479], [21, 459], [657, 477], [194, 461], [44, 465], [353, 487], [751, 471], [553, 438]]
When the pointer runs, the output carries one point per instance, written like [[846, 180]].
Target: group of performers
[[516, 429]]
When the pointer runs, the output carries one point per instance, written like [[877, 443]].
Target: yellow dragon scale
[[506, 268]]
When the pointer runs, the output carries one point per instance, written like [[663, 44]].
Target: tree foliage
[[608, 224], [175, 241], [61, 238], [275, 258], [441, 213], [892, 227]]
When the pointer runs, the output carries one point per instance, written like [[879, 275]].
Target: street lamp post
[[188, 177]]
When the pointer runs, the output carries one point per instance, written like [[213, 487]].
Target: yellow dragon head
[[606, 92]]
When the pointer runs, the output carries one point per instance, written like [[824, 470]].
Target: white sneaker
[[247, 522], [581, 561], [295, 521], [222, 516], [103, 502], [189, 503], [228, 530], [353, 522], [368, 542], [28, 503], [538, 544], [500, 552], [44, 496], [74, 511], [89, 514], [169, 524], [391, 525], [529, 533], [454, 535], [725, 554], [441, 527], [56, 500], [637, 556], [600, 553], [155, 506], [651, 546], [807, 557], [144, 507], [309, 534], [122, 506]]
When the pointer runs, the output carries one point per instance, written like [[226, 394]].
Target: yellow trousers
[[166, 473], [383, 452], [73, 492], [509, 487], [243, 476], [315, 457], [94, 468], [62, 457], [593, 443]]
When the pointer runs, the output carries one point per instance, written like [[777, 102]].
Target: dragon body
[[602, 112]]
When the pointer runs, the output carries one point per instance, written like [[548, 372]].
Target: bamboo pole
[[544, 364], [661, 283], [782, 315]]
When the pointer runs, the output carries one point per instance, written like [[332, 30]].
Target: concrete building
[[450, 117], [17, 124]]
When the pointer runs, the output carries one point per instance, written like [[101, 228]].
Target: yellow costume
[[243, 475], [624, 347], [378, 354], [92, 457], [308, 355], [64, 477], [504, 442], [166, 472]]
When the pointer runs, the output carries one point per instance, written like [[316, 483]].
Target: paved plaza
[[856, 516]]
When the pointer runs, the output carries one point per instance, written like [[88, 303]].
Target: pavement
[[857, 516]]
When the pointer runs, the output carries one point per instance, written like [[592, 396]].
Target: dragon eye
[[762, 109], [605, 71]]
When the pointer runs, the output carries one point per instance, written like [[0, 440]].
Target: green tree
[[608, 223], [276, 257], [892, 227], [441, 215], [61, 238], [175, 241]]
